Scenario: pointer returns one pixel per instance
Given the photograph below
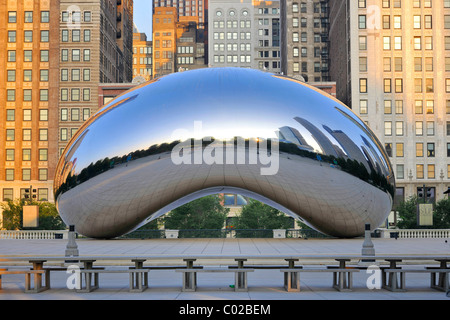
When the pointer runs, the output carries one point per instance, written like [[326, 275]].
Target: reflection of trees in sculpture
[[352, 167]]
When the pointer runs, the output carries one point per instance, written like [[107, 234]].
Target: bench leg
[[442, 283], [342, 281], [189, 281], [292, 281], [240, 281], [138, 281], [88, 281]]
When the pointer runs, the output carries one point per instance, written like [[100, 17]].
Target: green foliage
[[441, 218], [407, 211], [203, 213], [257, 215], [48, 215]]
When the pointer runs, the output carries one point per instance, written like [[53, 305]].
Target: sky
[[143, 16]]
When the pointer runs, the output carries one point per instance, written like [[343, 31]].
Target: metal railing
[[224, 233], [33, 234]]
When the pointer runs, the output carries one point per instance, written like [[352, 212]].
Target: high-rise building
[[95, 48], [164, 40], [178, 42], [305, 40], [142, 56], [244, 34], [55, 53], [29, 97], [391, 63]]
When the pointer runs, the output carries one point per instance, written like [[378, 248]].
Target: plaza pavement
[[263, 284]]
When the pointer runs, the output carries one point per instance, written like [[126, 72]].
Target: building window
[[10, 154], [430, 150], [26, 174], [419, 128], [10, 134], [43, 134], [43, 154], [9, 174], [431, 171], [8, 194], [387, 128], [399, 150], [363, 106], [26, 154], [419, 171], [387, 86], [43, 174], [419, 149], [362, 21], [45, 36], [388, 148], [26, 134], [363, 85]]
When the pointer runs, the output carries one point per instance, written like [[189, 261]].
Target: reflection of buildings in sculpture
[[292, 135], [190, 43], [350, 148], [373, 156], [322, 140]]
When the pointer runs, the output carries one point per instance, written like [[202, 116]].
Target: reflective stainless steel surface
[[274, 139]]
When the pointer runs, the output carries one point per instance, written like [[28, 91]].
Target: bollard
[[368, 248], [72, 247]]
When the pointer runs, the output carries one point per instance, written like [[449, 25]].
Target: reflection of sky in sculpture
[[224, 119]]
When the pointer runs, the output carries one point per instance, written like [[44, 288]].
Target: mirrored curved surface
[[187, 135]]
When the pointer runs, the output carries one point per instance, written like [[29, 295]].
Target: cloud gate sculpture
[[223, 130]]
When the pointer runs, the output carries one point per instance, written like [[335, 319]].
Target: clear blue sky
[[143, 16]]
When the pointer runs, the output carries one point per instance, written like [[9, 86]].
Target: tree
[[49, 218], [441, 216], [407, 212], [257, 215], [204, 213]]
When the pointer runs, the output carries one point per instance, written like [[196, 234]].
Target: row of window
[[27, 94], [232, 46], [232, 58], [76, 74], [318, 37], [27, 75], [397, 105], [420, 171], [26, 134], [76, 114], [76, 55], [303, 22], [26, 115], [396, 85], [417, 22], [8, 194], [419, 128], [28, 36], [396, 64], [232, 24], [420, 151], [232, 35], [303, 51], [26, 174], [398, 3], [303, 8], [76, 35], [28, 17], [75, 16], [26, 154], [27, 56], [75, 94], [318, 66]]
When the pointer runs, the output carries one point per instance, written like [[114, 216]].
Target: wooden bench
[[190, 277], [399, 286], [28, 275], [342, 278], [138, 282]]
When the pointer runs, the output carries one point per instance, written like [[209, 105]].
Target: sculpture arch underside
[[224, 130]]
